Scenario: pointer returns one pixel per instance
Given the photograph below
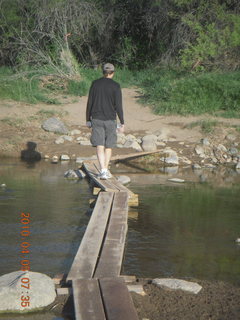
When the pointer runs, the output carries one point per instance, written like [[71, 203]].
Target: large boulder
[[132, 144], [121, 139], [149, 142], [19, 287], [54, 125]]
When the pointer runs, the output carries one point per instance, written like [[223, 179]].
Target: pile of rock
[[212, 154], [149, 142]]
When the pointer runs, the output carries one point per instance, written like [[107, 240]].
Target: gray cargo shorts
[[104, 133]]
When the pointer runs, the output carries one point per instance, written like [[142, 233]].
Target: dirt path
[[20, 122]]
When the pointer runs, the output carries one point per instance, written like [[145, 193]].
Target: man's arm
[[89, 104], [118, 104]]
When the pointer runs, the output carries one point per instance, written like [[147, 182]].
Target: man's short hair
[[108, 68]]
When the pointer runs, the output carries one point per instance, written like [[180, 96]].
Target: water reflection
[[185, 232]]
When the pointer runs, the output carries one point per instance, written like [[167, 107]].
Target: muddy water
[[182, 230]]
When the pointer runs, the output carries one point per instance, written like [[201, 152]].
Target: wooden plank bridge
[[99, 292]]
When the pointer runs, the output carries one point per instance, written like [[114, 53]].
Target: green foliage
[[21, 88], [126, 53], [207, 126], [215, 42], [133, 33], [183, 93], [77, 88], [13, 122]]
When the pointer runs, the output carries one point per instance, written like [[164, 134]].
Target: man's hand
[[121, 128], [89, 124]]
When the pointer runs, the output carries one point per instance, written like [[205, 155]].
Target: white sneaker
[[103, 175], [109, 175]]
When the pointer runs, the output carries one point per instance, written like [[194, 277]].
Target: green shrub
[[77, 88], [22, 87], [186, 93]]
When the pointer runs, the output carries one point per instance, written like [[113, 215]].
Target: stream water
[[184, 230]]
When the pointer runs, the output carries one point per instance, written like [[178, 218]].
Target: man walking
[[104, 104]]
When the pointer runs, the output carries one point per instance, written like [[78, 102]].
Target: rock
[[162, 134], [130, 137], [55, 159], [74, 132], [121, 139], [123, 179], [41, 291], [196, 166], [160, 143], [222, 148], [54, 125], [59, 140], [67, 138], [149, 145], [119, 145], [177, 284], [176, 180], [233, 151], [88, 134], [231, 137], [170, 151], [46, 156], [71, 174], [149, 142], [181, 143], [237, 240], [64, 157], [205, 142], [132, 144], [199, 150], [82, 139], [85, 143], [173, 159], [238, 165], [150, 137], [3, 185], [185, 160], [214, 160]]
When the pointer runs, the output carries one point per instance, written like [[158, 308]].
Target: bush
[[184, 93], [20, 88]]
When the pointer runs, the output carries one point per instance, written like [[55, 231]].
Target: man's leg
[[108, 154], [101, 157]]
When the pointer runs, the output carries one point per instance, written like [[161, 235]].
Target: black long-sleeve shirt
[[104, 100]]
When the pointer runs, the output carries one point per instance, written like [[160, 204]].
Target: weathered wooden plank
[[110, 261], [85, 260], [92, 172], [126, 157], [87, 300], [117, 300]]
